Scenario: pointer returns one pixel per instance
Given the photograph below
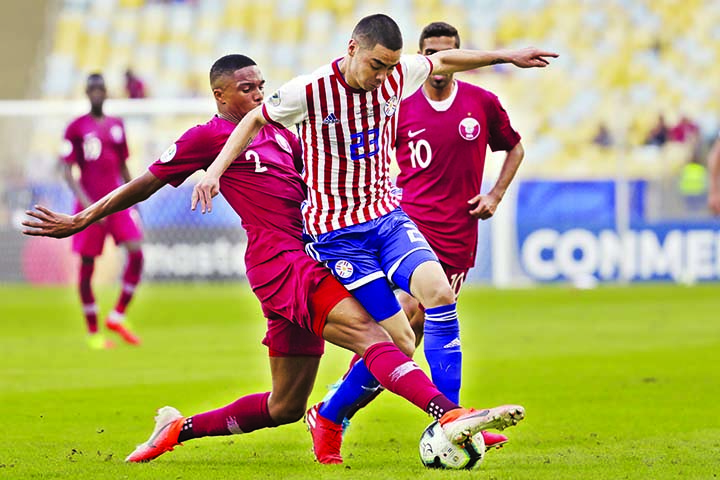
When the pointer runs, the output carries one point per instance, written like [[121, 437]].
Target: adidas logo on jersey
[[331, 120]]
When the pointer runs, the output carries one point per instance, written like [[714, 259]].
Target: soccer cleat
[[326, 436], [97, 341], [493, 440], [164, 438], [115, 323], [332, 388], [461, 424]]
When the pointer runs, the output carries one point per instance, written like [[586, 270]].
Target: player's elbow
[[518, 152]]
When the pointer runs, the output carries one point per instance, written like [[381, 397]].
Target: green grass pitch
[[617, 382]]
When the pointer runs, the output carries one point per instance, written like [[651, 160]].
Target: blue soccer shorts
[[368, 257]]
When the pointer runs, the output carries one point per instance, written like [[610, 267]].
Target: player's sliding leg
[[349, 326], [358, 383], [130, 280], [293, 379], [96, 341]]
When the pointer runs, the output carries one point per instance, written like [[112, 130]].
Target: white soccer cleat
[[164, 438], [461, 424]]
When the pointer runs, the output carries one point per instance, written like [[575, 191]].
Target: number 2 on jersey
[[420, 153], [254, 157]]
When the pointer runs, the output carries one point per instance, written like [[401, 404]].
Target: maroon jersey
[[263, 185], [99, 148], [441, 155]]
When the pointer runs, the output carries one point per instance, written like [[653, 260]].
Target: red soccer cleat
[[461, 424], [122, 329], [164, 438], [326, 436], [493, 440]]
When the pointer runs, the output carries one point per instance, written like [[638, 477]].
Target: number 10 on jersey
[[420, 153]]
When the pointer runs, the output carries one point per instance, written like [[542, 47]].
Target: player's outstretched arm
[[714, 178], [484, 206], [242, 136], [47, 223], [457, 60]]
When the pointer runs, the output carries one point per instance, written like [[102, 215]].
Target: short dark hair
[[228, 64], [378, 28], [94, 77], [439, 29]]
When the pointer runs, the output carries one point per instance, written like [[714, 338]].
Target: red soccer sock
[[242, 416], [86, 294], [398, 373], [131, 278]]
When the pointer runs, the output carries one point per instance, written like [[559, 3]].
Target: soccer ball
[[436, 451]]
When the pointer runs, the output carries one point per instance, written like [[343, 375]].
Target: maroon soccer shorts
[[297, 294], [456, 277], [124, 227]]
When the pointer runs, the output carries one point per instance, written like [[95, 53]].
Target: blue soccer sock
[[355, 387], [442, 349]]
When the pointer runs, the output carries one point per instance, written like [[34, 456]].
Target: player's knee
[[288, 410], [439, 294], [407, 344]]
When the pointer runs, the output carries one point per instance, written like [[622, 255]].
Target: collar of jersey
[[336, 69]]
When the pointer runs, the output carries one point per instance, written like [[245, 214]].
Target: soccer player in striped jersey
[[95, 143], [302, 301], [346, 113], [444, 130]]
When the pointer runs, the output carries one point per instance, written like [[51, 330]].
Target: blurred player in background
[[443, 133], [713, 164], [301, 300], [95, 143], [346, 116]]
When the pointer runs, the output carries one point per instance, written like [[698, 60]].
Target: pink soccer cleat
[[326, 436], [493, 440], [461, 424], [164, 438], [119, 326]]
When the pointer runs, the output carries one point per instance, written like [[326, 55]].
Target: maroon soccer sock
[[399, 374], [131, 278], [242, 416], [86, 295]]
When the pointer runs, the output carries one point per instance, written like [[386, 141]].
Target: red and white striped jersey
[[347, 135]]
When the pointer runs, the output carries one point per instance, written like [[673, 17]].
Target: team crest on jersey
[[469, 128], [116, 132], [283, 143], [390, 106], [169, 154], [275, 99], [344, 269]]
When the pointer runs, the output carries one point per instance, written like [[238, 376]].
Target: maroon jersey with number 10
[[99, 148], [441, 154]]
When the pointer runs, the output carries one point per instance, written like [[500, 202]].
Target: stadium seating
[[622, 63]]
